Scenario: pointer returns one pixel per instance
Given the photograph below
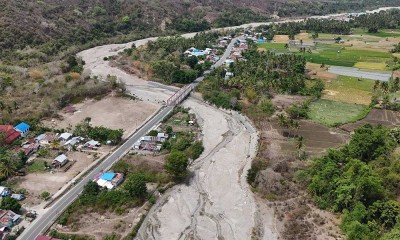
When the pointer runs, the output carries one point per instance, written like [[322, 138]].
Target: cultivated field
[[111, 112], [349, 90], [332, 113], [376, 116]]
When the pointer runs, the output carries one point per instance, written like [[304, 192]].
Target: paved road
[[360, 73], [42, 222]]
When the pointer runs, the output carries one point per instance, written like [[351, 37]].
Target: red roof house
[[10, 133]]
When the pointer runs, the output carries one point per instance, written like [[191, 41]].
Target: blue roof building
[[108, 176], [23, 128]]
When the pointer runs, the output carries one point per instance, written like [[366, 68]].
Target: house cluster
[[223, 42], [151, 143], [109, 180], [8, 219], [7, 192], [207, 54], [12, 134]]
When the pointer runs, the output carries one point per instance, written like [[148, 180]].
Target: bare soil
[[294, 213], [111, 112], [386, 118], [36, 183], [281, 39]]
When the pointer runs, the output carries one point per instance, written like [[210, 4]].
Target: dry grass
[[304, 36], [371, 65], [36, 74], [281, 39], [75, 75]]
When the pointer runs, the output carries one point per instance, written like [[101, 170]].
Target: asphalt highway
[[51, 215]]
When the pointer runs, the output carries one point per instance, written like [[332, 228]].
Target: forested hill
[[56, 25]]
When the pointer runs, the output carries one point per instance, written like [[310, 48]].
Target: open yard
[[275, 47], [39, 180], [332, 113], [111, 112], [349, 90]]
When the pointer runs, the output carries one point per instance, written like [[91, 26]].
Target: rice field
[[333, 113]]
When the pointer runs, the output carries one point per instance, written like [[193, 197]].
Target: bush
[[195, 150], [176, 164], [135, 185], [9, 203]]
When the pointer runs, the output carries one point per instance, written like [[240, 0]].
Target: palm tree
[[385, 87], [7, 167], [376, 85], [300, 145]]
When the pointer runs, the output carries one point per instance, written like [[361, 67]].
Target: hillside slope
[[58, 24]]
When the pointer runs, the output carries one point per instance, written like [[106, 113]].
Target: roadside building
[[23, 128], [60, 161], [9, 218], [10, 134], [109, 180], [92, 144], [72, 142]]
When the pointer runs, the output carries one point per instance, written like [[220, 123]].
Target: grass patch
[[277, 47], [347, 57], [349, 90], [332, 113], [36, 167], [371, 65]]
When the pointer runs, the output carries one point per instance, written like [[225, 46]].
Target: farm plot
[[346, 57], [332, 113], [386, 118], [349, 90], [275, 47]]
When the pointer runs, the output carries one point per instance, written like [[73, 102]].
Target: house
[[18, 197], [45, 139], [9, 218], [4, 232], [161, 137], [136, 145], [29, 147], [109, 180], [42, 237], [10, 134], [64, 137], [228, 75], [60, 161], [23, 128], [72, 142], [4, 191], [92, 144]]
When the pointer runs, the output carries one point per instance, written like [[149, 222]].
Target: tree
[[91, 188], [176, 164], [135, 186], [300, 146], [121, 167], [153, 133], [9, 203], [7, 166]]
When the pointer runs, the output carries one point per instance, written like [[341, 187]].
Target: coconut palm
[[7, 167]]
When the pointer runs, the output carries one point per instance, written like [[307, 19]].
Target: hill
[[56, 25]]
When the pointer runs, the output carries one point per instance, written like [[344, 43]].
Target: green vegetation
[[101, 134], [352, 82], [278, 47], [332, 113], [176, 164], [164, 58], [346, 57], [9, 203], [238, 16], [359, 182], [37, 166]]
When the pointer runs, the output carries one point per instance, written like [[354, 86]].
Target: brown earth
[[111, 112], [386, 118]]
